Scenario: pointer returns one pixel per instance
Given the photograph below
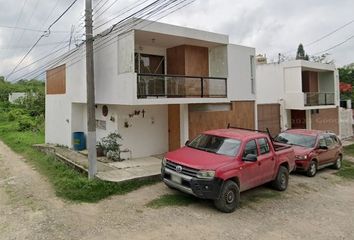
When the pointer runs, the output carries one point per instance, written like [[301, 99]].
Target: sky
[[272, 27]]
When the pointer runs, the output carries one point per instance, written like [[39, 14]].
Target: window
[[329, 141], [335, 139], [251, 148], [321, 141], [216, 144], [56, 80], [263, 145], [296, 139], [252, 74]]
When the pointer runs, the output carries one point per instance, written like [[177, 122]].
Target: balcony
[[319, 98], [179, 86]]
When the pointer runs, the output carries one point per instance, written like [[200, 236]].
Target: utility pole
[[90, 86]]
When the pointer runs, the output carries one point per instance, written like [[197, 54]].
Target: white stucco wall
[[270, 83], [145, 136], [58, 120], [239, 73], [16, 95]]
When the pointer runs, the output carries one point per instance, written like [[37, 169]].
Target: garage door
[[269, 117]]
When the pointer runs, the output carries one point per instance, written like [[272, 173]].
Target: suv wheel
[[311, 172], [229, 198], [281, 181], [338, 163]]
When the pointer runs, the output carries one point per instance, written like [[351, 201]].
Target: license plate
[[176, 179]]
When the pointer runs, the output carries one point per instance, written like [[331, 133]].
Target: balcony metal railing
[[318, 98], [179, 86]]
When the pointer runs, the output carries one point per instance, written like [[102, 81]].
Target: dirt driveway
[[319, 208]]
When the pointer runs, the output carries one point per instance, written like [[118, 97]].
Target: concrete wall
[[16, 95], [346, 122], [239, 73], [144, 136], [326, 119], [57, 120], [270, 83]]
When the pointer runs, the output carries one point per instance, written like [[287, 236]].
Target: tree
[[346, 75], [300, 54]]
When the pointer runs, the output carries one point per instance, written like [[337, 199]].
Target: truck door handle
[[259, 163]]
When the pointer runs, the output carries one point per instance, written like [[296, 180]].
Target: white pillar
[[308, 119], [184, 124]]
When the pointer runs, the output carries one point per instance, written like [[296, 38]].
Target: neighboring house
[[298, 94], [158, 85], [16, 95]]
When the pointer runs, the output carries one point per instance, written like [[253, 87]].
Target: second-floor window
[[252, 68], [147, 63]]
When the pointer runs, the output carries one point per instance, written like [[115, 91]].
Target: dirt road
[[318, 208]]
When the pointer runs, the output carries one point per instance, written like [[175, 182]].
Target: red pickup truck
[[219, 164]]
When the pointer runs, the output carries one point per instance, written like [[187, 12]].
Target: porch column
[[184, 127], [308, 119]]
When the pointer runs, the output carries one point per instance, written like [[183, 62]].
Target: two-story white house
[[298, 94], [158, 85]]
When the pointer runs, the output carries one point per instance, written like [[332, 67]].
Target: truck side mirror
[[250, 158]]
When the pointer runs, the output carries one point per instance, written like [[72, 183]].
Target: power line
[[130, 8], [41, 70], [322, 37], [18, 19], [104, 45], [105, 10], [335, 46], [31, 29], [329, 34], [46, 33], [38, 45], [100, 7]]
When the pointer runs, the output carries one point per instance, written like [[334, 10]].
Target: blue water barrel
[[79, 141]]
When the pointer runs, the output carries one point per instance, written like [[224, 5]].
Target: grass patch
[[349, 150], [68, 183], [171, 200], [258, 195], [347, 170]]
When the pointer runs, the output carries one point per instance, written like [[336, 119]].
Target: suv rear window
[[296, 139]]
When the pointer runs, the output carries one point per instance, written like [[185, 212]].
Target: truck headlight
[[300, 157], [206, 174], [163, 162]]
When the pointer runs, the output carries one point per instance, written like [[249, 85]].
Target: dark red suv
[[314, 149]]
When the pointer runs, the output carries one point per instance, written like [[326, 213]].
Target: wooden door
[[269, 117], [174, 138], [298, 119]]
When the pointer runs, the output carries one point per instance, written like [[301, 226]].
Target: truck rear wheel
[[229, 198], [281, 181], [338, 163]]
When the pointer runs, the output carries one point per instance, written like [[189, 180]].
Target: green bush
[[15, 114], [26, 123]]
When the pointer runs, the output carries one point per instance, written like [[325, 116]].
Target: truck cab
[[219, 164]]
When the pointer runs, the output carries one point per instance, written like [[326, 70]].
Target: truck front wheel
[[229, 198], [281, 181]]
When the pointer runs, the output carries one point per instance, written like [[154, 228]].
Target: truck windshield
[[296, 139], [216, 144]]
